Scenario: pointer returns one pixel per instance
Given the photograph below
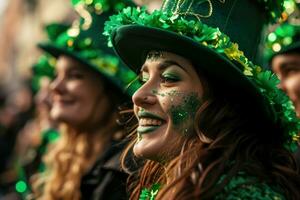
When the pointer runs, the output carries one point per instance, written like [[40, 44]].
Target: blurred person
[[40, 131], [283, 54], [87, 90], [15, 113]]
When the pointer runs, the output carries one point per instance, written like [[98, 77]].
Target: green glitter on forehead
[[185, 112]]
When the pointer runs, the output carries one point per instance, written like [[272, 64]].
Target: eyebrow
[[289, 64], [165, 64]]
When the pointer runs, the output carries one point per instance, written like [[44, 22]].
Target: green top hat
[[198, 30], [284, 39], [44, 67], [85, 43]]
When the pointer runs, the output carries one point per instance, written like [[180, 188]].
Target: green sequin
[[243, 187], [150, 194]]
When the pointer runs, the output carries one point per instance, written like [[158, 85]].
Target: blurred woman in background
[[87, 90]]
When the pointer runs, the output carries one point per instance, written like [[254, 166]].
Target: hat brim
[[293, 48], [133, 42], [57, 51]]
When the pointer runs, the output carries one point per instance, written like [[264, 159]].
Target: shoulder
[[247, 187]]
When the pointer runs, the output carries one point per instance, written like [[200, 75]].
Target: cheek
[[92, 100], [292, 86], [83, 91], [75, 87], [135, 110], [182, 111]]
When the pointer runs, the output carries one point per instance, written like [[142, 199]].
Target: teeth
[[150, 122]]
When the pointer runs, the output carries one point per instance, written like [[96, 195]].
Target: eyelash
[[165, 79], [169, 78]]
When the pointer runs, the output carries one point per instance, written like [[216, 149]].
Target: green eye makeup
[[171, 76], [144, 77]]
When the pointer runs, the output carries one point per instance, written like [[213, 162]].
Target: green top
[[243, 187], [240, 187], [151, 193]]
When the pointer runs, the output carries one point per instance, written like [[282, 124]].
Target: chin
[[137, 151], [59, 115], [140, 151]]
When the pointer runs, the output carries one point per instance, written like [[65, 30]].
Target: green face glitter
[[172, 93], [182, 114]]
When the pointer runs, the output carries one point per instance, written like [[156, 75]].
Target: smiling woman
[[287, 67], [89, 86], [211, 124]]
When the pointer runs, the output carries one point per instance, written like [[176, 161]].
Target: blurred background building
[[21, 27]]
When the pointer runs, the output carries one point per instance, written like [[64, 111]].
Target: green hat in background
[[284, 39], [220, 36], [85, 43], [46, 63]]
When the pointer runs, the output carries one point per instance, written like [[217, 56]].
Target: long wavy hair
[[75, 153], [228, 138]]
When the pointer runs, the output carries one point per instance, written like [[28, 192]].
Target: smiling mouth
[[149, 122], [63, 101]]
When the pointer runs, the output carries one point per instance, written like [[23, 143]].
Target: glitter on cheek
[[183, 108], [178, 115], [184, 113], [172, 93]]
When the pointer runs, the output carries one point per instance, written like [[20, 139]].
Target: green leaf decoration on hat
[[214, 39]]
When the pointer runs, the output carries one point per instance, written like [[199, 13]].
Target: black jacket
[[106, 180]]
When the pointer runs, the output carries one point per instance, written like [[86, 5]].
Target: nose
[[144, 96], [57, 86]]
